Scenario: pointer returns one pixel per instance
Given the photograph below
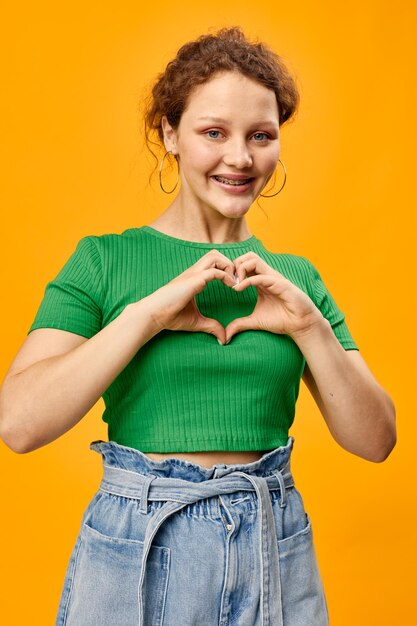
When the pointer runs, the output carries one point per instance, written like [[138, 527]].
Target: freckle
[[331, 395]]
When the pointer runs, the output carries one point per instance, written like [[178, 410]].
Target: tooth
[[231, 182]]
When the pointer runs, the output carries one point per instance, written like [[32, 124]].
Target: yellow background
[[73, 164]]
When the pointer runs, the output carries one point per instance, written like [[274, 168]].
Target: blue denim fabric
[[172, 543]]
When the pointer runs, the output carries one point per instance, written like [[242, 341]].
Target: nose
[[238, 155]]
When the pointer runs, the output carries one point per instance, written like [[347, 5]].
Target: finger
[[212, 327], [214, 273], [250, 264], [259, 280], [214, 258], [240, 324]]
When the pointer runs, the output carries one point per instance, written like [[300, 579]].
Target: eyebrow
[[223, 121]]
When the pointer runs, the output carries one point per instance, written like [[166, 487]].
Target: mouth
[[233, 185]]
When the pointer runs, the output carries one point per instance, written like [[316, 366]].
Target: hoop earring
[[160, 174], [280, 189]]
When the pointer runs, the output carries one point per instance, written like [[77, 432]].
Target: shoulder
[[293, 262], [109, 242], [109, 252], [109, 238], [294, 267]]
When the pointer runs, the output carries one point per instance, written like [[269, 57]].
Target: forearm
[[359, 413], [51, 396]]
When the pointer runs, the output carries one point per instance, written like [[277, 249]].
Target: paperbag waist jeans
[[172, 543]]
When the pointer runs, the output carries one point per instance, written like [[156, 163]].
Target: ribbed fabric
[[182, 391]]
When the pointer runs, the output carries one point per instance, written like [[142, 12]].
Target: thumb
[[212, 327], [239, 324]]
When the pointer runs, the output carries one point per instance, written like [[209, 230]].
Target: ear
[[170, 135]]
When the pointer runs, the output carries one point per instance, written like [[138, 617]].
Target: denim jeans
[[172, 543]]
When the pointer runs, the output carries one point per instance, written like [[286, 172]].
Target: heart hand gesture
[[281, 307]]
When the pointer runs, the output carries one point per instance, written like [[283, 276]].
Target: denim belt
[[179, 493]]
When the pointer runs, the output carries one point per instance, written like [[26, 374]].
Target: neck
[[195, 226]]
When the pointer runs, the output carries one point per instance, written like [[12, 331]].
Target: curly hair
[[198, 61]]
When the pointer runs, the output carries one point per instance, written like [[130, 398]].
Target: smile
[[234, 186], [230, 181]]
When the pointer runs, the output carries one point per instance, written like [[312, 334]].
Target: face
[[229, 129]]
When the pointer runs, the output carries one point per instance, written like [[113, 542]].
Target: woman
[[197, 491]]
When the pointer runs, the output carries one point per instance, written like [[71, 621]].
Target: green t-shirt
[[182, 391]]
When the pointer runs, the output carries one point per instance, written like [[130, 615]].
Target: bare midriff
[[208, 459]]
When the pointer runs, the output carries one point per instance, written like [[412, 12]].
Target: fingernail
[[219, 341]]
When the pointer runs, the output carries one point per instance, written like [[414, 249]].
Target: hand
[[173, 306], [281, 307]]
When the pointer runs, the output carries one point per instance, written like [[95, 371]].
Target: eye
[[265, 135], [262, 136], [212, 131]]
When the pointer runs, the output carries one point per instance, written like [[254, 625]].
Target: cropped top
[[183, 391]]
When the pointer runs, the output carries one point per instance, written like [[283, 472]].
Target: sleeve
[[329, 309], [73, 299]]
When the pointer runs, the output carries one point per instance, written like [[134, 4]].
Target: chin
[[231, 211], [228, 207], [236, 209]]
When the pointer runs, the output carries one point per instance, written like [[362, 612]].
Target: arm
[[358, 412], [46, 399]]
